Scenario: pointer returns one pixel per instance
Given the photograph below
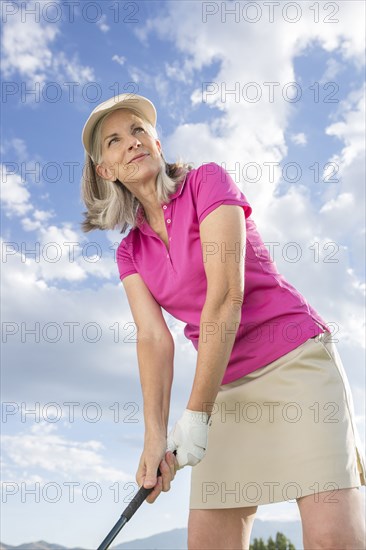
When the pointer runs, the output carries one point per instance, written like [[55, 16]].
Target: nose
[[134, 142]]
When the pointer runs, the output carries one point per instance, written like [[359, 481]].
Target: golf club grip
[[126, 515], [137, 500]]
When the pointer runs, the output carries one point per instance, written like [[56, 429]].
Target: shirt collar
[[180, 188]]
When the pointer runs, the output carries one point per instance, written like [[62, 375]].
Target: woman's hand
[[156, 456], [189, 437]]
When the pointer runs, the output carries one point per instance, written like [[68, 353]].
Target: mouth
[[139, 157]]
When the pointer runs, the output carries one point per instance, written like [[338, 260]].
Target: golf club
[[127, 514]]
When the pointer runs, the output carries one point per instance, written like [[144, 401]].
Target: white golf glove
[[189, 437]]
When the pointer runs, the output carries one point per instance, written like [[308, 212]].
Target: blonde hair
[[111, 205]]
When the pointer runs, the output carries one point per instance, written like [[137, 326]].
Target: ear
[[105, 172], [158, 145]]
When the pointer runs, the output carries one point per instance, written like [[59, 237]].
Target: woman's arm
[[155, 352], [214, 349], [156, 359], [223, 238]]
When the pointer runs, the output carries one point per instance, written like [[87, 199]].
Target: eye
[[112, 140], [139, 128]]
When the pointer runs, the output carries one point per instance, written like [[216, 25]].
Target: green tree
[[258, 544], [281, 543]]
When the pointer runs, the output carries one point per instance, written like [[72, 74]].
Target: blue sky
[[81, 357]]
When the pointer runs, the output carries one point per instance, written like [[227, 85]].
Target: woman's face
[[123, 137]]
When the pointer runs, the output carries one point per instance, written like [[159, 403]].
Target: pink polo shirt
[[275, 318]]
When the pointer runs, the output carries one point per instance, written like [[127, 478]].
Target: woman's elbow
[[231, 300], [236, 301]]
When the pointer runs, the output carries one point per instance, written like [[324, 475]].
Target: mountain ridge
[[176, 539]]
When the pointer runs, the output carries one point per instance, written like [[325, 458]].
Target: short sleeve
[[125, 263], [214, 186]]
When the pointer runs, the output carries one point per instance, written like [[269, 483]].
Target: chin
[[138, 173]]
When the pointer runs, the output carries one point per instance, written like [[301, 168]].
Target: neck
[[153, 218], [152, 211], [149, 203]]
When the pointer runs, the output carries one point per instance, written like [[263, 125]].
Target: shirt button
[[168, 221], [165, 207], [167, 255]]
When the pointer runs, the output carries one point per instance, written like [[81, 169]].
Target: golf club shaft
[[127, 514], [113, 533]]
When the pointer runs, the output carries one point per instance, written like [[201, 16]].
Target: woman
[[270, 416]]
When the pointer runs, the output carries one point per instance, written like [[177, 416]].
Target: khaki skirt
[[282, 432]]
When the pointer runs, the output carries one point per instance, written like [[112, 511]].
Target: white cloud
[[120, 59], [64, 254], [102, 23], [27, 50], [177, 71], [351, 128], [14, 193], [55, 259], [156, 81], [42, 448], [138, 75], [299, 139], [20, 148], [63, 67], [343, 210], [42, 215], [334, 68], [39, 218], [60, 248], [343, 202], [16, 201]]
